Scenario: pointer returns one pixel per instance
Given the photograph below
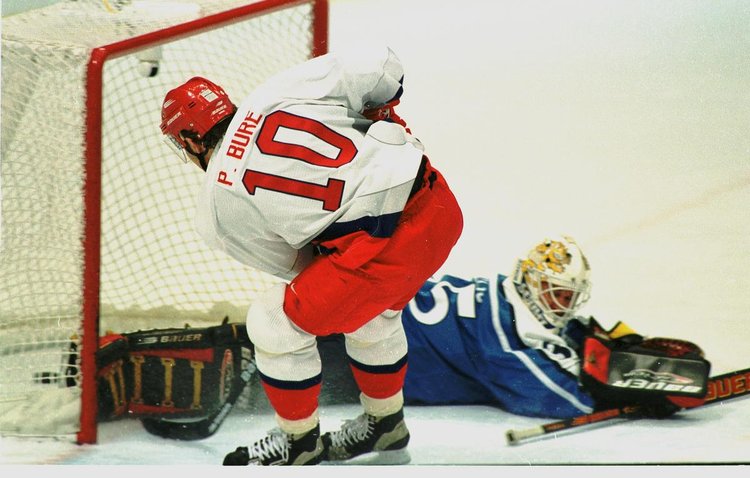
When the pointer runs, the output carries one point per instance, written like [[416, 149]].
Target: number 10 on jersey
[[329, 194]]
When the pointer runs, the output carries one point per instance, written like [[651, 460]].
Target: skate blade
[[392, 457]]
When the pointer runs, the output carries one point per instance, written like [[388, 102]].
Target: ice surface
[[623, 124]]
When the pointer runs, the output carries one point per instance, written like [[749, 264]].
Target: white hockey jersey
[[300, 162]]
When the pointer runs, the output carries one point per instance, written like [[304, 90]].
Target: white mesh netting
[[155, 271]]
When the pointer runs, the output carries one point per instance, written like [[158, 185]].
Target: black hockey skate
[[280, 448], [369, 440]]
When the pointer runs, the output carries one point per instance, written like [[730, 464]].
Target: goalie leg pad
[[180, 382], [113, 392], [179, 372]]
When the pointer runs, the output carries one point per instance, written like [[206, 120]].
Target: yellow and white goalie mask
[[553, 279]]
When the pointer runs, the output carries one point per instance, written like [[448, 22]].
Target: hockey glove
[[386, 112], [659, 375]]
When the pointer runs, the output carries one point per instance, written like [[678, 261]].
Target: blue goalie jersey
[[475, 342]]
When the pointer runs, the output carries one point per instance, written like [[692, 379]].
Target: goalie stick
[[720, 387]]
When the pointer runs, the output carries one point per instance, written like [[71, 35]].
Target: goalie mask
[[553, 280], [192, 110]]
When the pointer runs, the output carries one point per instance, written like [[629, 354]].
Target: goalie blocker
[[661, 375], [181, 383]]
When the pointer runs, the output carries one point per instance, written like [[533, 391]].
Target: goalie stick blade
[[720, 388]]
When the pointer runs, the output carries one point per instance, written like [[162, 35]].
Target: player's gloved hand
[[658, 375], [386, 112]]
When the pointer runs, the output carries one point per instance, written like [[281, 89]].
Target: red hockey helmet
[[196, 106]]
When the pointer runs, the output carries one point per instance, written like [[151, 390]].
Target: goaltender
[[520, 343]]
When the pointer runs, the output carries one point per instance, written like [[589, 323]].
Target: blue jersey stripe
[[375, 226], [291, 384]]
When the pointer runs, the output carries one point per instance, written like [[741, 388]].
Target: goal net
[[96, 229]]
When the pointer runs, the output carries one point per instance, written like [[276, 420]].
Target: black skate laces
[[353, 430]]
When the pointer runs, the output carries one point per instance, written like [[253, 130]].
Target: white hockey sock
[[298, 427], [381, 407]]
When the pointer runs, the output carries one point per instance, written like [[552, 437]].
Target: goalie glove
[[659, 375]]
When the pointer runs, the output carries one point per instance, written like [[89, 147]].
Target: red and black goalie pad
[[199, 427], [184, 373], [661, 373], [112, 391]]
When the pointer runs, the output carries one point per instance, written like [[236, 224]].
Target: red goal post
[[136, 263]]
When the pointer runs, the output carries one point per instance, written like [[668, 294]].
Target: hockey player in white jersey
[[315, 179]]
